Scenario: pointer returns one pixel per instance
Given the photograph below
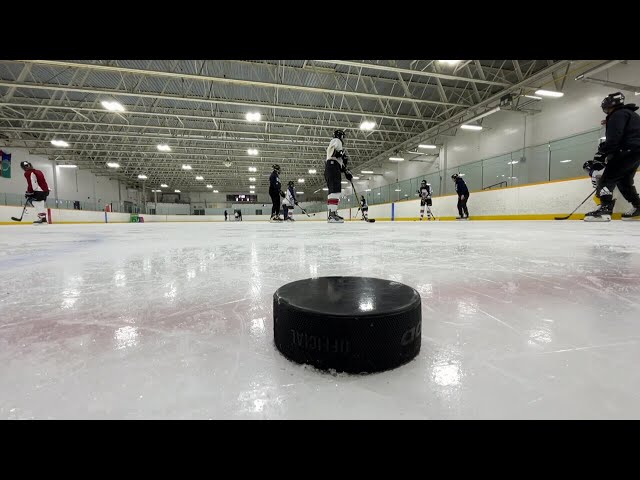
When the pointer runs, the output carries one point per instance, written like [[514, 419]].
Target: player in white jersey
[[425, 199], [336, 163], [365, 208], [289, 201], [595, 169]]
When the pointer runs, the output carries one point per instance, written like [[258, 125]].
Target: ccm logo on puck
[[411, 335]]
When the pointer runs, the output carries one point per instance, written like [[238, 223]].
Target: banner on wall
[[6, 164]]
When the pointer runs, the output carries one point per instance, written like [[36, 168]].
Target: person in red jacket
[[37, 190]]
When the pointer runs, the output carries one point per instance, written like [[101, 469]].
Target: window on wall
[[242, 198]]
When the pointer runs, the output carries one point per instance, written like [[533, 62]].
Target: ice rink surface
[[520, 320]]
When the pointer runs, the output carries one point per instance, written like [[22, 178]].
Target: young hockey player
[[289, 201], [37, 190], [365, 208], [425, 199], [336, 163], [595, 168]]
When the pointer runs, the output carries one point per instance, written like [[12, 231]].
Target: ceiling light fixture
[[549, 93], [113, 106]]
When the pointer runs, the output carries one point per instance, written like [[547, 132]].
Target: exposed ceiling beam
[[229, 81], [178, 114], [409, 71], [217, 101], [121, 126]]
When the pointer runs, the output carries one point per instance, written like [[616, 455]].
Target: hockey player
[[275, 191], [425, 199], [365, 208], [289, 201], [621, 153], [37, 190], [463, 196], [595, 168], [336, 163]]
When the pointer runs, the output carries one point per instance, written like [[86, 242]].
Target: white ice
[[520, 320]]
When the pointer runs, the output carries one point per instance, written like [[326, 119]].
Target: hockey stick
[[368, 220], [588, 197], [26, 203], [305, 212], [431, 213]]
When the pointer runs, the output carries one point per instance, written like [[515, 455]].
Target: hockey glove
[[281, 193], [347, 174]]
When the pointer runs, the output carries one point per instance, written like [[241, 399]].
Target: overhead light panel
[[113, 106], [312, 171], [164, 185], [252, 179], [67, 166], [368, 190], [209, 186], [113, 165], [366, 171], [163, 147], [549, 93], [565, 161], [471, 127], [301, 180], [300, 193], [482, 115], [177, 191], [356, 178], [533, 96], [59, 143], [252, 151], [325, 189], [199, 177], [450, 62], [253, 116], [253, 169], [142, 177], [427, 146], [367, 125], [186, 167], [396, 159], [215, 191]]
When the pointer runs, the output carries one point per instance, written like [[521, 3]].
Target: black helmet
[[590, 165], [454, 176], [424, 181], [290, 183], [276, 167], [612, 100], [339, 134], [362, 196], [25, 165]]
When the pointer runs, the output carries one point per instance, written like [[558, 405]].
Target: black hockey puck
[[350, 324]]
